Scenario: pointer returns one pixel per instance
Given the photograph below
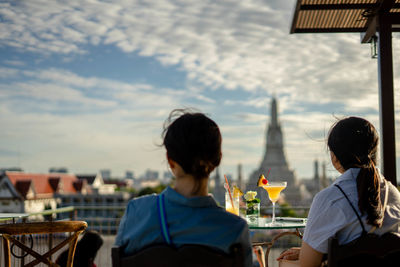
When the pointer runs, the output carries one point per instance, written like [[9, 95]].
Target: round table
[[292, 225]]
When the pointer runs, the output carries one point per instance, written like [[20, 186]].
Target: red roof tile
[[23, 187], [118, 183], [54, 183], [46, 183], [78, 185]]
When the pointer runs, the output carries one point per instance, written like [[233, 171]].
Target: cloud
[[16, 63], [50, 92], [252, 117], [60, 88], [222, 46], [115, 121], [66, 119], [249, 48], [84, 143], [8, 153], [8, 72]]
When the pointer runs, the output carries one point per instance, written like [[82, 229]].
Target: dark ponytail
[[369, 201], [354, 141]]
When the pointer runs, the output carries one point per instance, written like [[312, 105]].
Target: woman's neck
[[186, 185]]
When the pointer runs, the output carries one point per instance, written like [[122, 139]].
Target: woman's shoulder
[[145, 197], [331, 198], [327, 194], [346, 182], [142, 201], [394, 193], [226, 219]]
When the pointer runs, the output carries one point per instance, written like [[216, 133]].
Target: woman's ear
[[171, 162], [336, 163]]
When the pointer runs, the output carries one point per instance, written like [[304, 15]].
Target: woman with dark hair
[[353, 146], [185, 214]]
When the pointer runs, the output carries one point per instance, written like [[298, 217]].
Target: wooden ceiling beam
[[371, 30], [338, 6]]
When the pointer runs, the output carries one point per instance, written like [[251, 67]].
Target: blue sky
[[88, 84]]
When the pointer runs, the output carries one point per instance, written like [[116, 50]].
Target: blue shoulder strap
[[163, 219]]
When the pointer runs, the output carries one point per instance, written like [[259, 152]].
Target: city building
[[218, 187], [97, 184], [240, 176], [32, 192], [11, 201], [102, 207], [129, 175], [318, 182], [105, 173]]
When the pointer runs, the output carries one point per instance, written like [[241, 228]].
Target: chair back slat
[[42, 227]]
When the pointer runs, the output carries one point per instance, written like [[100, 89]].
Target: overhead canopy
[[313, 16], [370, 18]]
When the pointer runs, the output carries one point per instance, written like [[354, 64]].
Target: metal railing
[[103, 219]]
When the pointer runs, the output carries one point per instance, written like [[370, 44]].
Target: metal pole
[[50, 237], [23, 239], [386, 100]]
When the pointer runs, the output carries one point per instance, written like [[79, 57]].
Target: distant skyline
[[87, 85]]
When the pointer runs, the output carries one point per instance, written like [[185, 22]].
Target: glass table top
[[12, 216], [281, 223]]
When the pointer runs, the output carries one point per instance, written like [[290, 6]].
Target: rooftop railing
[[103, 219]]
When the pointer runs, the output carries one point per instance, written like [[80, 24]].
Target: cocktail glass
[[274, 189], [252, 212], [232, 207]]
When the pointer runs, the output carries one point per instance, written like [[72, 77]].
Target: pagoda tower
[[240, 176], [275, 159]]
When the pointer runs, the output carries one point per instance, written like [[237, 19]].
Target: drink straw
[[229, 191], [268, 173]]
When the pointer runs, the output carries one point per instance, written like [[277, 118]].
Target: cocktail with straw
[[274, 189], [231, 200]]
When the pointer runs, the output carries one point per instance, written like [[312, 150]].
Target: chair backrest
[[8, 232], [185, 256], [368, 250]]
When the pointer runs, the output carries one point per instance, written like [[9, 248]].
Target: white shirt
[[331, 214]]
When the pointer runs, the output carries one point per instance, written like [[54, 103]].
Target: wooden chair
[[185, 256], [368, 250], [10, 230]]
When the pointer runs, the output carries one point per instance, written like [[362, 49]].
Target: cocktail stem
[[273, 212]]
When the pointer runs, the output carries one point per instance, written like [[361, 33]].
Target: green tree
[[151, 190], [287, 211]]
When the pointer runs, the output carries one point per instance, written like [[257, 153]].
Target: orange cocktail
[[274, 189]]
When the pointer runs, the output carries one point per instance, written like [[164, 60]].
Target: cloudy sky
[[88, 84]]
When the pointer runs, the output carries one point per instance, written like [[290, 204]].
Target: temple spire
[[274, 154], [275, 161], [274, 113]]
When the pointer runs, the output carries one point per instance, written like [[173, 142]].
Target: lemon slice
[[237, 192], [262, 181]]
